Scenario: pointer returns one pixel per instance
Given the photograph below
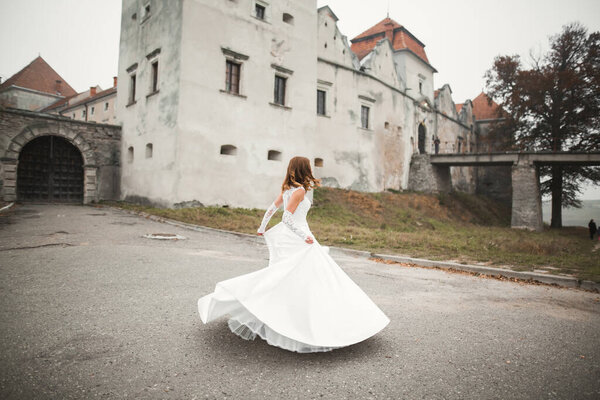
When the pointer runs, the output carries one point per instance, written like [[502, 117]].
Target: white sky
[[80, 38]]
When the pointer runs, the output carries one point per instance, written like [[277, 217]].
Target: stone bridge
[[431, 173]]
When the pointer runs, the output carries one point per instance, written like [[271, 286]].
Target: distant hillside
[[405, 211], [575, 216]]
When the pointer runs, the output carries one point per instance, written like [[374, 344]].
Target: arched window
[[422, 133], [318, 162], [130, 154], [274, 155], [149, 150], [228, 150]]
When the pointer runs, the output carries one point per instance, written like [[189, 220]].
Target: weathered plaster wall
[[152, 118], [26, 99]]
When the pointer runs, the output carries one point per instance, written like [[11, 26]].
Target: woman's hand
[[309, 240]]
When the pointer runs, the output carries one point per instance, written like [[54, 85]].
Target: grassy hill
[[457, 226]]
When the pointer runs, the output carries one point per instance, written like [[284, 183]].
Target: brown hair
[[299, 174]]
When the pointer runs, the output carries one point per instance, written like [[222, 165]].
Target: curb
[[533, 277]]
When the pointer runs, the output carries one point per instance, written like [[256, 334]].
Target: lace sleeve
[[267, 217], [289, 222]]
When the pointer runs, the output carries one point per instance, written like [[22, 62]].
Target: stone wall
[[99, 146]]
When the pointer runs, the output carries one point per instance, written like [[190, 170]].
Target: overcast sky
[[80, 38]]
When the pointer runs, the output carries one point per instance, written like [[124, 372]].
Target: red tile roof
[[40, 76], [486, 108], [458, 107], [436, 93], [398, 35]]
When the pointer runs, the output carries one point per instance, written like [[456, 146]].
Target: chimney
[[389, 31], [92, 91], [58, 87], [114, 81]]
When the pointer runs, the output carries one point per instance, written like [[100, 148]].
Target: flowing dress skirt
[[303, 301]]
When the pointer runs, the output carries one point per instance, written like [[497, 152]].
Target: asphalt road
[[91, 309]]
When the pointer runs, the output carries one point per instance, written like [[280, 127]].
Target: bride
[[302, 301]]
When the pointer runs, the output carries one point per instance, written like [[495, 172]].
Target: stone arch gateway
[[48, 158], [50, 169]]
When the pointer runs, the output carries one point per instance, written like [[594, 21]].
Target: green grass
[[456, 226]]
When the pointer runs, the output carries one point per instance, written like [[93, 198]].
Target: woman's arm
[[287, 219], [269, 213]]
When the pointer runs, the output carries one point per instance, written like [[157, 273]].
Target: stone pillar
[[9, 187], [526, 198], [89, 184], [426, 177]]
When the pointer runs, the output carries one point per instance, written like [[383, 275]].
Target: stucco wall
[[152, 119], [26, 99]]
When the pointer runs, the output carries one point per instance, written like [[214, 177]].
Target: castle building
[[93, 105], [216, 97]]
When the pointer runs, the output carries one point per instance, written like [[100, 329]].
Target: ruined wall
[[98, 144], [456, 136]]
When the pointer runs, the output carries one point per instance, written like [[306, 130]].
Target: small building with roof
[[34, 87]]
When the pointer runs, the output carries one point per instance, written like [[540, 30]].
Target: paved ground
[[89, 308]]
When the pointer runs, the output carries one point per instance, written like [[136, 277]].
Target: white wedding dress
[[303, 301]]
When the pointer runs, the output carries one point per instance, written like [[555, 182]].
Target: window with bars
[[364, 117], [321, 97], [279, 93], [232, 77]]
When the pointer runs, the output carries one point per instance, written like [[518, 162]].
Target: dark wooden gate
[[50, 170]]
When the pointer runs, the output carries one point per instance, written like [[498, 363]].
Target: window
[[106, 106], [73, 115], [149, 150], [279, 94], [228, 150], [92, 111], [274, 155], [130, 154], [364, 117], [318, 162], [232, 77], [421, 87], [259, 11], [82, 113], [288, 18], [321, 96], [154, 87], [132, 89], [146, 12]]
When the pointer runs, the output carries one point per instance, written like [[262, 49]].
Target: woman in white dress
[[302, 301]]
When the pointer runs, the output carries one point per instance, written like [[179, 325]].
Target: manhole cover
[[164, 236]]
